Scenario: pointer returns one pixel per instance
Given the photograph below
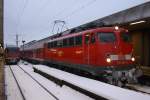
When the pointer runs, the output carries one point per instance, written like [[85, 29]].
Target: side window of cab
[[87, 38], [92, 38]]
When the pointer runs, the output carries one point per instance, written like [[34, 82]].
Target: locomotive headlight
[[116, 27], [108, 60], [133, 59]]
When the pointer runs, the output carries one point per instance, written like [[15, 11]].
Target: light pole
[[23, 41], [17, 41]]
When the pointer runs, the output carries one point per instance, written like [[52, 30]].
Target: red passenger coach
[[105, 51], [33, 51]]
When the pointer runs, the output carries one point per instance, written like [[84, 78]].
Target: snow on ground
[[12, 92], [63, 93], [141, 88], [31, 89], [99, 88]]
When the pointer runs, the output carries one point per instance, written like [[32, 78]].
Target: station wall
[[141, 45]]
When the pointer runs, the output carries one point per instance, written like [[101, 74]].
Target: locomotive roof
[[103, 29]]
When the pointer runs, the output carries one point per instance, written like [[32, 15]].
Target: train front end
[[116, 54], [12, 55]]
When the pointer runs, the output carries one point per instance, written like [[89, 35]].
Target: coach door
[[89, 49]]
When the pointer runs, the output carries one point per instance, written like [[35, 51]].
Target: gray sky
[[33, 19]]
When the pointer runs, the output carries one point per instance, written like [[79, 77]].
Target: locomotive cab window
[[106, 37], [87, 38], [126, 37], [92, 38]]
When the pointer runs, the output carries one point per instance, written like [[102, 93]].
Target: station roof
[[124, 18]]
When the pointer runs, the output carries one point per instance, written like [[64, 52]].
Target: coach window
[[78, 40], [52, 44], [49, 45], [71, 41], [55, 44], [65, 42], [59, 43], [87, 38]]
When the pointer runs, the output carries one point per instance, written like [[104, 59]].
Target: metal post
[[17, 41], [23, 41]]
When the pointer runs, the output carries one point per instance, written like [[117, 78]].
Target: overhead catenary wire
[[21, 14], [19, 18], [64, 10], [79, 9], [53, 18], [73, 12], [59, 13]]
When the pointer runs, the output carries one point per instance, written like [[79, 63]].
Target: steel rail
[[17, 83], [39, 83]]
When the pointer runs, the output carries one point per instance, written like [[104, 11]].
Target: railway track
[[50, 93], [23, 97]]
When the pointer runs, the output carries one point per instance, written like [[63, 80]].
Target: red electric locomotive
[[105, 51], [12, 55]]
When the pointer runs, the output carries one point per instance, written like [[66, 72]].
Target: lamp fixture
[[138, 22]]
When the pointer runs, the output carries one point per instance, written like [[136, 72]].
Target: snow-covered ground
[[102, 89], [145, 89], [33, 91]]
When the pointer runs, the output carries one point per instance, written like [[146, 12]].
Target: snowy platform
[[102, 89]]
